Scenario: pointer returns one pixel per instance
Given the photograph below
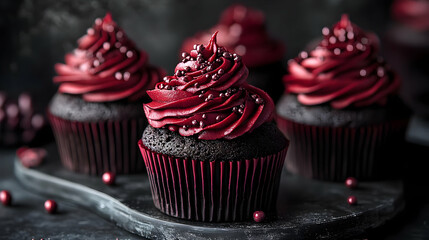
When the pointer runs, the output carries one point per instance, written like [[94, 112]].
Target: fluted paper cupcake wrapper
[[370, 152], [213, 191], [97, 147]]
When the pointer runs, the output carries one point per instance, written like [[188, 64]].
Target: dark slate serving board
[[307, 209]]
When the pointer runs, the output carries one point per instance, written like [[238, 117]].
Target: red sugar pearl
[[5, 198], [352, 200], [109, 178], [50, 206], [258, 216], [351, 182]]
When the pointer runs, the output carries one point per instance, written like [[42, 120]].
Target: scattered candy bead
[[5, 198], [352, 200], [50, 206], [351, 182], [259, 216], [109, 178]]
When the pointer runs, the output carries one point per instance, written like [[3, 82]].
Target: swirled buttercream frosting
[[208, 96], [106, 66], [242, 30], [344, 70]]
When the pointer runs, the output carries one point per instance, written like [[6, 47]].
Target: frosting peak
[[343, 70], [208, 96], [106, 66], [243, 31]]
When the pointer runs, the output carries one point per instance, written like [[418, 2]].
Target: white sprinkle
[[380, 72], [90, 31], [118, 76], [127, 76], [337, 51], [106, 46], [325, 31], [123, 49], [130, 54]]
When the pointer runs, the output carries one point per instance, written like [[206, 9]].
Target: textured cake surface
[[74, 108], [263, 141], [324, 115]]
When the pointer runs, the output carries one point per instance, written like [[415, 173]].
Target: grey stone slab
[[307, 209], [27, 219]]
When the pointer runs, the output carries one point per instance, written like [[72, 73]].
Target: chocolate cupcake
[[341, 111], [243, 31], [211, 150], [94, 115], [407, 42]]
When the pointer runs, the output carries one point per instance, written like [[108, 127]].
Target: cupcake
[[95, 114], [21, 123], [211, 150], [340, 109], [407, 43], [242, 30]]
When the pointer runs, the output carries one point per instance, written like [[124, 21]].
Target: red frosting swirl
[[208, 96], [414, 13], [106, 66], [344, 70], [243, 31]]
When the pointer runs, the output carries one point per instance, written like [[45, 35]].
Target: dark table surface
[[27, 219]]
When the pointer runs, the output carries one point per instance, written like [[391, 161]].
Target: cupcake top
[[344, 70], [208, 96], [106, 66], [243, 31], [413, 13]]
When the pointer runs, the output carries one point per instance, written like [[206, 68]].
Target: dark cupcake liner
[[213, 191], [334, 153], [97, 147]]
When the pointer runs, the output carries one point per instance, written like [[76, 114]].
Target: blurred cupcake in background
[[96, 114], [20, 123], [242, 30], [407, 49], [341, 110]]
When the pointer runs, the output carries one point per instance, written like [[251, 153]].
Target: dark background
[[36, 34]]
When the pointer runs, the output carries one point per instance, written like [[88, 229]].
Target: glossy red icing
[[242, 30], [343, 70], [209, 97], [106, 66]]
